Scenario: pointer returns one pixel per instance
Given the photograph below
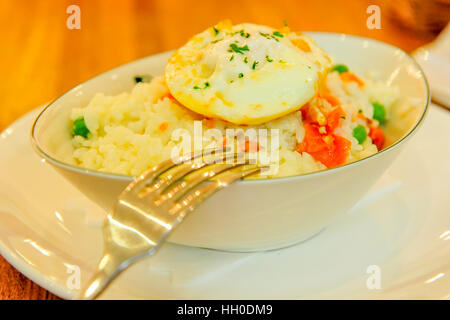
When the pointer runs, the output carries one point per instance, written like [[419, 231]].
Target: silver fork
[[151, 207]]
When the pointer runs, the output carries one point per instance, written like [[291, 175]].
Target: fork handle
[[96, 285], [108, 268]]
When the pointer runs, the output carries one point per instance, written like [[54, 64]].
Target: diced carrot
[[341, 152], [312, 113], [210, 123], [301, 44], [377, 136], [304, 111], [163, 126], [328, 97], [251, 147], [332, 150], [312, 141], [349, 77], [334, 118], [306, 114]]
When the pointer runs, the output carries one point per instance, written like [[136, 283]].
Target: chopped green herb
[[215, 41], [309, 67], [234, 47], [232, 57], [216, 32], [244, 34], [246, 59], [241, 75], [255, 63], [206, 85], [339, 68], [360, 111], [342, 117], [379, 112], [268, 59], [79, 128], [268, 36], [285, 23], [360, 134], [142, 78], [278, 34], [281, 61]]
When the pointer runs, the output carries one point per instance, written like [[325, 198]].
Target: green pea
[[79, 128], [360, 134], [379, 112], [339, 68]]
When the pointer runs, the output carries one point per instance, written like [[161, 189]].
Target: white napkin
[[435, 61]]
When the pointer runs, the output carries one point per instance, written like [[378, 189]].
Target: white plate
[[402, 226]]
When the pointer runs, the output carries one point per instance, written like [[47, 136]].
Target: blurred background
[[41, 58]]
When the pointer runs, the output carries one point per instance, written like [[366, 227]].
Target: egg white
[[246, 74]]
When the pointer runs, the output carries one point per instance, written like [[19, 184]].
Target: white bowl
[[257, 214]]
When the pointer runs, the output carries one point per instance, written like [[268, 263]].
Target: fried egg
[[247, 73]]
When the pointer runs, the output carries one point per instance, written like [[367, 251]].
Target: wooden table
[[40, 58]]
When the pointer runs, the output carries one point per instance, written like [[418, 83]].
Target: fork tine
[[183, 186], [150, 175], [179, 172], [176, 173], [197, 196]]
